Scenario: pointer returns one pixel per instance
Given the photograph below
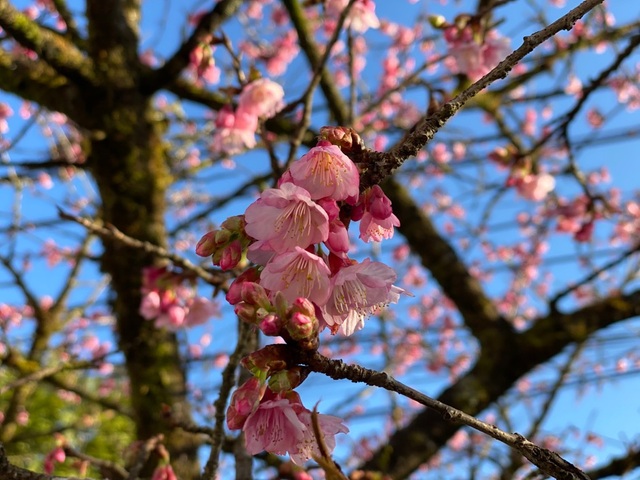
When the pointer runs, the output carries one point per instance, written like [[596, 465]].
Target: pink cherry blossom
[[324, 171], [244, 402], [361, 17], [200, 311], [535, 187], [235, 131], [261, 98], [274, 427], [297, 274], [286, 217], [472, 58], [329, 425], [355, 290]]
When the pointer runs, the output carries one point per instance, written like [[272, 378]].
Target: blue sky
[[618, 424]]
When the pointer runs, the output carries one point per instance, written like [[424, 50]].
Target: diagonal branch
[[382, 164], [54, 49], [174, 66], [547, 461], [36, 81], [494, 373]]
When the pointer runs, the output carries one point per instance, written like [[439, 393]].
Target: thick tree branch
[[36, 81], [173, 67], [494, 373], [54, 49]]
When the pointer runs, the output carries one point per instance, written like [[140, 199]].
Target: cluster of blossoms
[[471, 51], [236, 129], [302, 281], [171, 303]]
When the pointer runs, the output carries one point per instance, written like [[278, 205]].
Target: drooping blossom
[[355, 290], [324, 171], [361, 17], [235, 131], [286, 217], [244, 402], [474, 57], [274, 427], [535, 187], [297, 273], [329, 425], [282, 424], [374, 211], [261, 98]]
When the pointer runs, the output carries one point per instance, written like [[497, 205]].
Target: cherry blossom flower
[[535, 187], [274, 427], [261, 98], [361, 17], [376, 216], [298, 273], [235, 131], [324, 171], [356, 289], [329, 425], [286, 217], [471, 57]]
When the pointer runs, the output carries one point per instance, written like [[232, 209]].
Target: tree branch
[[512, 356], [54, 49], [174, 66], [382, 164], [547, 461]]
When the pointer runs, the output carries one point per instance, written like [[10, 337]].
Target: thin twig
[[109, 231]]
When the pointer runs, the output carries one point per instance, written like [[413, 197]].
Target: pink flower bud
[[234, 295], [243, 402], [270, 326], [207, 244], [302, 326], [255, 294], [231, 255]]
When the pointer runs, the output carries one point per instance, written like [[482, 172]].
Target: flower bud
[[270, 325], [344, 137], [243, 402], [207, 244], [245, 312], [301, 326], [255, 294], [234, 295]]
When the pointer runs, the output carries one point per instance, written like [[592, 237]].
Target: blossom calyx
[[267, 360], [286, 380]]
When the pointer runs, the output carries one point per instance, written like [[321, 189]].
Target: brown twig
[[547, 461], [109, 231]]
